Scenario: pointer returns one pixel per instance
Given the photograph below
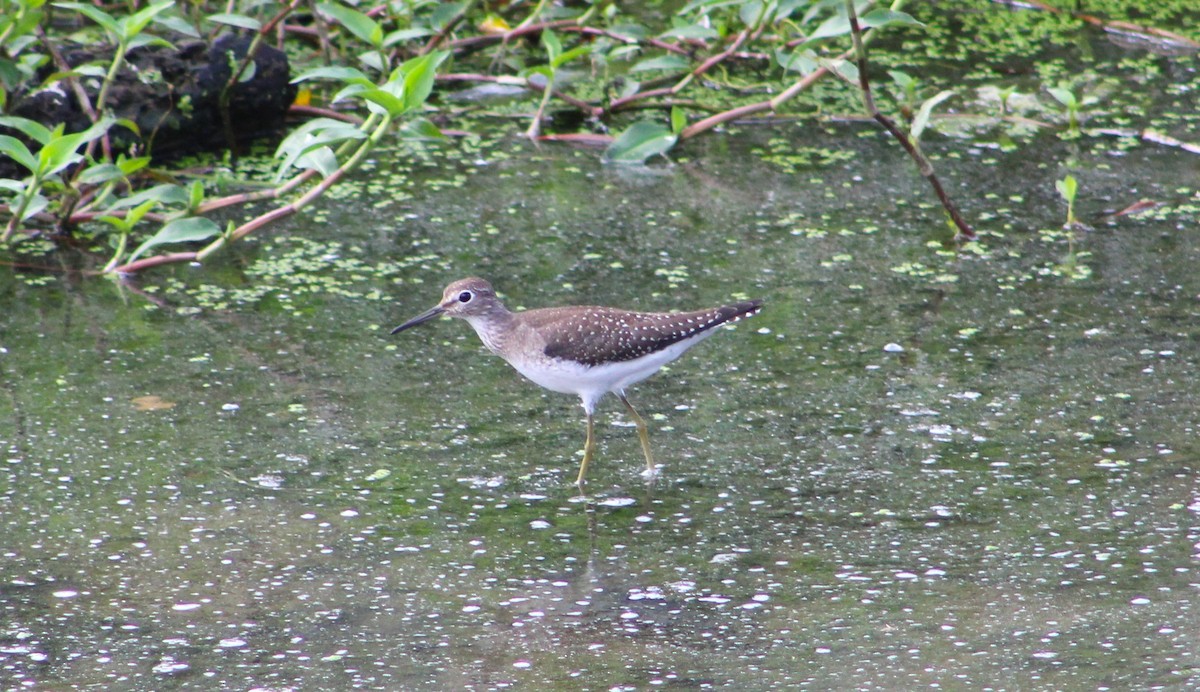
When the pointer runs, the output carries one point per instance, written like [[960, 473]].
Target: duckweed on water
[[675, 276], [791, 158], [296, 269]]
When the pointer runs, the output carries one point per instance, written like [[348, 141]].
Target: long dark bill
[[420, 319]]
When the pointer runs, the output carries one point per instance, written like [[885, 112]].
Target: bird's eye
[[465, 297]]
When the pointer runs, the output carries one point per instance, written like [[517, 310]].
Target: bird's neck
[[494, 327]]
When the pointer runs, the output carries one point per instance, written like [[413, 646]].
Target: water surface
[[922, 465]]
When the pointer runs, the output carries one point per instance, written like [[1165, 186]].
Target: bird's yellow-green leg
[[643, 433], [589, 448]]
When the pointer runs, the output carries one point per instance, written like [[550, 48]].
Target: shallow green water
[[917, 467]]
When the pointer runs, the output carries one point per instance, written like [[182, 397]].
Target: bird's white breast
[[591, 383]]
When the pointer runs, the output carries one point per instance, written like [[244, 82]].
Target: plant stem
[[923, 162], [26, 198], [121, 245]]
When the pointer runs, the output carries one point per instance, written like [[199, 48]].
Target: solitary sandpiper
[[582, 350]]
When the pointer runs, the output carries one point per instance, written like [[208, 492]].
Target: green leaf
[[134, 216], [105, 20], [129, 125], [419, 74], [1063, 96], [195, 194], [142, 40], [359, 24], [320, 132], [132, 165], [17, 151], [36, 204], [374, 59], [443, 12], [394, 105], [59, 154], [639, 142], [543, 71], [837, 25], [672, 62], [751, 12], [623, 53], [845, 69], [803, 61], [328, 131], [420, 128], [100, 174], [678, 119], [178, 25], [883, 17], [241, 21], [708, 5], [691, 31], [402, 35], [185, 230], [134, 24], [247, 74], [91, 70], [349, 75], [166, 194], [1066, 187], [570, 55], [116, 222], [552, 45], [322, 158], [32, 128], [921, 119], [902, 79]]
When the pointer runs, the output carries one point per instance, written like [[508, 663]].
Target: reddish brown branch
[[156, 261], [436, 40], [655, 42], [923, 163], [705, 66], [751, 109]]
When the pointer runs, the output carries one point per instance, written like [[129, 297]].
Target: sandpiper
[[581, 349]]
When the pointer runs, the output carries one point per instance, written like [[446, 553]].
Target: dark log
[[172, 94]]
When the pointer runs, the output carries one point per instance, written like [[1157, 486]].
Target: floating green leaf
[[186, 230], [639, 142]]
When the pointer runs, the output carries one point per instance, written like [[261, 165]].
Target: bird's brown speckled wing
[[596, 335]]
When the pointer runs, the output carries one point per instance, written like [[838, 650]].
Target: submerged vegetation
[[635, 83]]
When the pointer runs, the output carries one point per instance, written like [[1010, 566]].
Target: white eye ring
[[465, 297]]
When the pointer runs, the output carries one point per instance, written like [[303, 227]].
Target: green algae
[[294, 271]]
